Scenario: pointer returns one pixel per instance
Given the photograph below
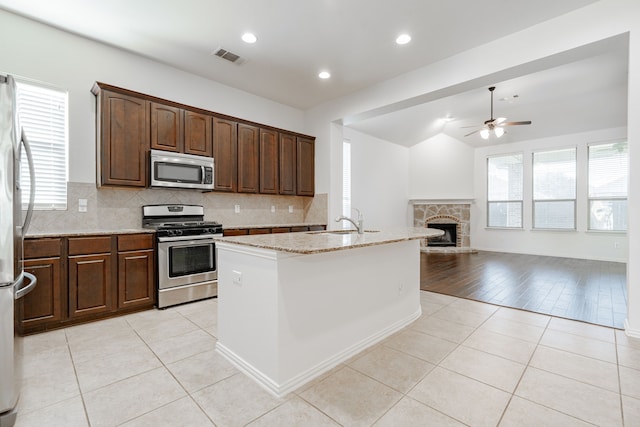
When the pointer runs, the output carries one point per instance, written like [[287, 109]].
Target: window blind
[[608, 182], [504, 191], [42, 113], [554, 189]]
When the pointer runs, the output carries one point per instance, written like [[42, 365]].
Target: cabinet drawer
[[89, 245], [260, 231], [236, 232], [132, 242], [280, 230], [42, 248]]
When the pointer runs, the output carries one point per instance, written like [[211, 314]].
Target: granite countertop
[[242, 227], [313, 242], [80, 233]]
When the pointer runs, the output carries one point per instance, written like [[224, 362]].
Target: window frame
[[534, 201], [62, 194], [507, 201], [612, 199]]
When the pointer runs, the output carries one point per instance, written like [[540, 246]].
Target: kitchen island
[[292, 306]]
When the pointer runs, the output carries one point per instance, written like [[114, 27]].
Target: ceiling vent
[[229, 56]]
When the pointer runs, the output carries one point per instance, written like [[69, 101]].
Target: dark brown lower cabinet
[[43, 305], [87, 278], [46, 303], [136, 271], [90, 285]]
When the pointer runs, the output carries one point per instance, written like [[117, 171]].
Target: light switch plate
[[236, 277], [82, 205]]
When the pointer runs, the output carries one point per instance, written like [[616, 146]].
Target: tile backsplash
[[121, 208]]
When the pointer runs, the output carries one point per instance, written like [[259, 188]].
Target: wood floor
[[590, 291]]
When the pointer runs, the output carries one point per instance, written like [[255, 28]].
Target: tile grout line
[[615, 337], [524, 371], [75, 373]]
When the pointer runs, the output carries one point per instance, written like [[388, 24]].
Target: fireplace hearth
[[449, 238]]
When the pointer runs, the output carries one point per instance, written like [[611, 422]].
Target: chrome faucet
[[359, 225]]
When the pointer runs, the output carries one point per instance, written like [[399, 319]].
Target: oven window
[[192, 259], [178, 172]]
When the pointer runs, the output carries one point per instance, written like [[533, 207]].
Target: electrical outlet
[[236, 208], [290, 208], [616, 245], [82, 205], [273, 209], [400, 288]]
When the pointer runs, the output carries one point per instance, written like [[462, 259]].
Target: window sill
[[505, 228], [616, 232]]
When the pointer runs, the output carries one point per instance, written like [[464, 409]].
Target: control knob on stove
[[210, 230], [173, 233]]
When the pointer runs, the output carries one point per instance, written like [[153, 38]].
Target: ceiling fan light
[[484, 133], [498, 131]]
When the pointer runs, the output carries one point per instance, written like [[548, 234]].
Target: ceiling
[[356, 43]]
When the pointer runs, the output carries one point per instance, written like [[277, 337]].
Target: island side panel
[[334, 305], [292, 317], [248, 308]]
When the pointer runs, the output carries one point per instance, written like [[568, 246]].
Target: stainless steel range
[[187, 269]]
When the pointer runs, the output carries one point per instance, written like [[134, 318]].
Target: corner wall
[[379, 179]]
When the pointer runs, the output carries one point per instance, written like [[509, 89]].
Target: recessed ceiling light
[[403, 39], [324, 75], [249, 38]]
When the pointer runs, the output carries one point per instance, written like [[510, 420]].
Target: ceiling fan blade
[[499, 120], [526, 122], [475, 131]]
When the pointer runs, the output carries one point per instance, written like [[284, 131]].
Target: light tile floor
[[462, 363]]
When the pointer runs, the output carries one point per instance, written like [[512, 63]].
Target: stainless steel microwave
[[176, 170]]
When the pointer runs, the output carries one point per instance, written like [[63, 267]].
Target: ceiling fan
[[495, 125]]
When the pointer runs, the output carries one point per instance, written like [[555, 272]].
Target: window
[[608, 176], [504, 191], [42, 112], [554, 189], [346, 181]]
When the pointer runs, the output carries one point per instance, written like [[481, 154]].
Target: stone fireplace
[[451, 215]]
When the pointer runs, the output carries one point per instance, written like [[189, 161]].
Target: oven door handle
[[183, 238]]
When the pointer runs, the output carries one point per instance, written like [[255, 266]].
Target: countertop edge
[[308, 243], [80, 233]]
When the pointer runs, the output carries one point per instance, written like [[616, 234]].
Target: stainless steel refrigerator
[[14, 281]]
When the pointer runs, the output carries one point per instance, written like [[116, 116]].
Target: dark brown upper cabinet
[[248, 158], [268, 161], [167, 128], [305, 167], [197, 134], [287, 164], [225, 154], [123, 132]]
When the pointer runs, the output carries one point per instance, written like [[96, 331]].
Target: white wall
[[379, 179], [573, 244], [441, 168], [40, 52]]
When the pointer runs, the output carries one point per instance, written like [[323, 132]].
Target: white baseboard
[[280, 390], [633, 333]]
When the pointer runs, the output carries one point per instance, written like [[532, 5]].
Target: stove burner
[[178, 220]]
